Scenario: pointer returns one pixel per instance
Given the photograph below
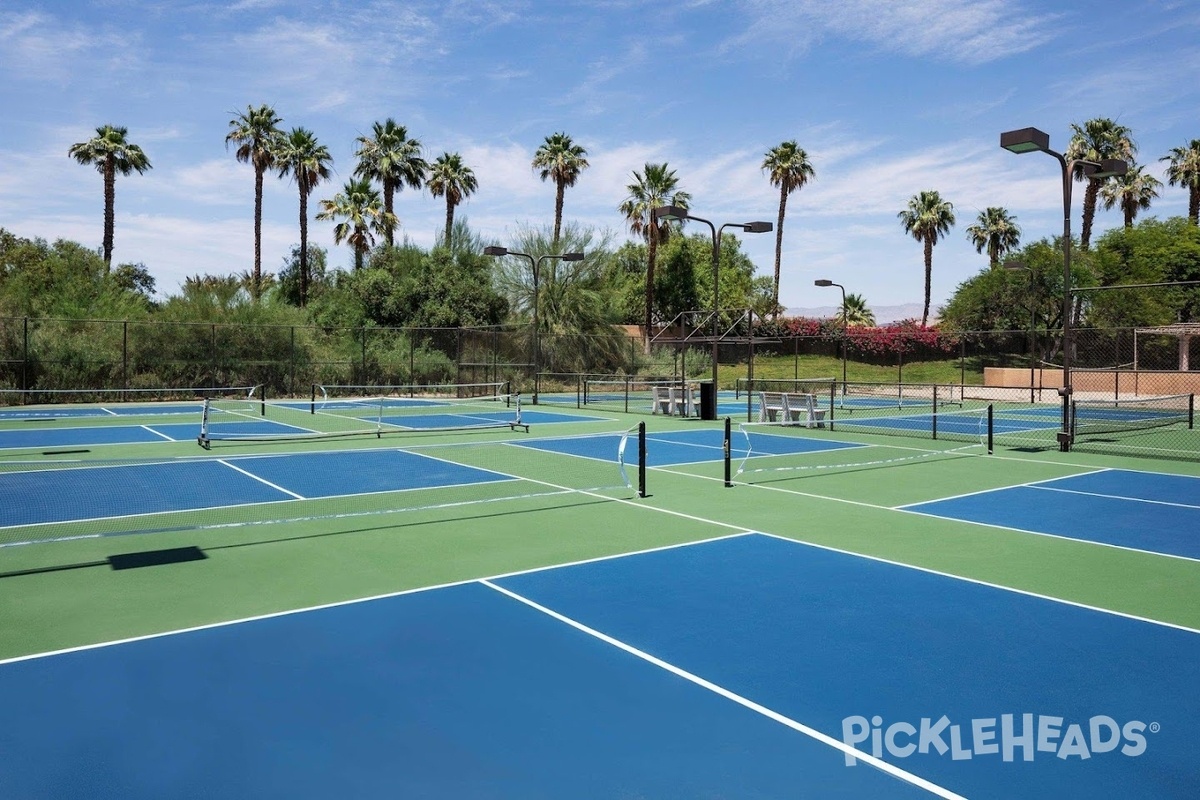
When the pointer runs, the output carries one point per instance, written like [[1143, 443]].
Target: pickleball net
[[1121, 415], [764, 447], [297, 493], [349, 411]]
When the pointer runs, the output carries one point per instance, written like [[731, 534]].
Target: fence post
[[124, 358], [292, 372], [25, 361], [362, 367]]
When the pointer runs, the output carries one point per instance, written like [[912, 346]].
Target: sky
[[888, 98]]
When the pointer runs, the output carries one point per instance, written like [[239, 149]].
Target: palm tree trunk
[[449, 219], [1194, 205], [1089, 213], [778, 250], [256, 289], [303, 242], [928, 280], [652, 254], [110, 195], [558, 207], [389, 191]]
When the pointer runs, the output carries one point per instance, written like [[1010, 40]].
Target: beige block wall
[[1141, 382]]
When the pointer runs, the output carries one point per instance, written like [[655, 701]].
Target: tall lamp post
[[681, 213], [1016, 266], [1028, 140], [824, 282], [535, 265]]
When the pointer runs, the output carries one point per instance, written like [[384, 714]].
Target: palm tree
[[393, 159], [788, 167], [1133, 191], [928, 218], [361, 208], [996, 231], [1096, 140], [656, 185], [563, 160], [300, 155], [1184, 170], [111, 153], [255, 132], [855, 314], [451, 178]]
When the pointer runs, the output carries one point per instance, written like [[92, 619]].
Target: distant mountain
[[883, 314]]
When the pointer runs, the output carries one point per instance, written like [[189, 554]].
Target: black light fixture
[[1028, 140], [825, 283], [679, 213], [496, 250]]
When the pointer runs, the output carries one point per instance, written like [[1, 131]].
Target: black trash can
[[708, 400]]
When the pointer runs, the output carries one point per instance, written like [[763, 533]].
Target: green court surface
[[110, 542], [64, 593]]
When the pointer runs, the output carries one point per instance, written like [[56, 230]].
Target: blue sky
[[888, 98]]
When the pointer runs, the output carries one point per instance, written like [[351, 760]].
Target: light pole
[[1028, 140], [681, 213], [535, 265], [1021, 265], [824, 282]]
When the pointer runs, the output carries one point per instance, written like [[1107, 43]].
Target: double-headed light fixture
[[535, 265], [680, 213]]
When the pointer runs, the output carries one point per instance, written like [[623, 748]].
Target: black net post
[[312, 404], [641, 459], [989, 429], [1191, 411], [726, 451]]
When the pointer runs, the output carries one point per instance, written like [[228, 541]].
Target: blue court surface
[[672, 448], [1147, 511], [467, 419], [744, 667], [48, 413], [134, 434], [78, 494]]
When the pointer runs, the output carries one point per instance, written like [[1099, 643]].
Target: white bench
[[790, 408], [672, 401]]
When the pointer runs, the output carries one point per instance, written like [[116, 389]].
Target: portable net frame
[[300, 492], [754, 445], [350, 411], [125, 396]]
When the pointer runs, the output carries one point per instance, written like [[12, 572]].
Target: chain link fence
[[1122, 366]]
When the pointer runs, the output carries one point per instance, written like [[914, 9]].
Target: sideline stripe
[[263, 481], [812, 733], [1193, 506]]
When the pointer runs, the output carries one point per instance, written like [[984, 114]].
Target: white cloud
[[965, 31]]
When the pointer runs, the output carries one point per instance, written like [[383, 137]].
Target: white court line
[[157, 433], [1025, 485], [1192, 506], [354, 601], [1062, 537], [260, 480], [775, 716]]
